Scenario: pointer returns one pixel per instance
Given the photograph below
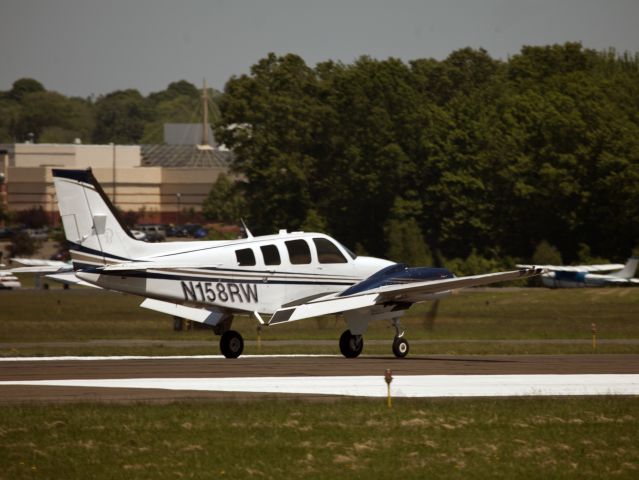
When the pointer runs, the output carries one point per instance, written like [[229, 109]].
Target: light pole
[[52, 215], [4, 183], [113, 171], [178, 197]]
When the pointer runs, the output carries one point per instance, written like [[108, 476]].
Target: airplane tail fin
[[91, 223], [629, 269]]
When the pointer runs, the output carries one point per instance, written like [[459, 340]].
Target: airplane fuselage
[[562, 279], [257, 274]]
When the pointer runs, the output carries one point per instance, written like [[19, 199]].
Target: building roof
[[187, 134], [184, 156]]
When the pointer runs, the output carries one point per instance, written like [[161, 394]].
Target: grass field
[[530, 316], [590, 437], [505, 438]]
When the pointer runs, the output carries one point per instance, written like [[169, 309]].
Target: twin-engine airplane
[[610, 274], [288, 276]]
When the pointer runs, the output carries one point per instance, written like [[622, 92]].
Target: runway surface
[[126, 379]]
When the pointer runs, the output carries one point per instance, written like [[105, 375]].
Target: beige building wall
[[151, 190]]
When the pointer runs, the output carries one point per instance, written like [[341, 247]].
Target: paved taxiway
[[309, 369]]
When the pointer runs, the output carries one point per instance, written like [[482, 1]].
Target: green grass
[[590, 437], [529, 314], [465, 438]]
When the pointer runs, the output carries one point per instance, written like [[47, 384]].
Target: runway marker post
[[593, 329], [388, 378]]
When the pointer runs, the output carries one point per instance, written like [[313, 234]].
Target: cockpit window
[[245, 257], [299, 252], [327, 251], [271, 255]]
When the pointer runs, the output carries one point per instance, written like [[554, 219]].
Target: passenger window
[[271, 255], [245, 257], [327, 251], [298, 252]]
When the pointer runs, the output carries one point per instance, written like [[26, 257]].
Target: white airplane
[[288, 276], [579, 276], [8, 280]]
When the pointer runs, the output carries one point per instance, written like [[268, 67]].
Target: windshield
[[348, 250]]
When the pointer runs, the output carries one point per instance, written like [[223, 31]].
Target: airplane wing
[[620, 281], [578, 268], [404, 293]]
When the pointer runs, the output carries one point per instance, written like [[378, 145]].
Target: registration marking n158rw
[[219, 292]]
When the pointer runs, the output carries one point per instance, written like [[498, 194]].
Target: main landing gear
[[231, 342], [352, 345]]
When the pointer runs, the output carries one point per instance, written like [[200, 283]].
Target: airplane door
[[331, 265]]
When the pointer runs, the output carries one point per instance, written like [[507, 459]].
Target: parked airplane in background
[[288, 276], [557, 276], [8, 280]]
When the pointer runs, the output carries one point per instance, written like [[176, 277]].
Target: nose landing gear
[[400, 344]]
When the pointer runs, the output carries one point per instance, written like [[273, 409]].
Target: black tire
[[351, 345], [231, 344], [400, 347]]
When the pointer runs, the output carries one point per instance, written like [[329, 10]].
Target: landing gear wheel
[[400, 347], [231, 344], [350, 345]]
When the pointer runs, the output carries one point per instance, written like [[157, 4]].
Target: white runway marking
[[150, 357], [374, 386]]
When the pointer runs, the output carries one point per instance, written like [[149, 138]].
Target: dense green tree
[[54, 118], [279, 122], [403, 235], [225, 202], [470, 158], [501, 154], [23, 87], [9, 114], [121, 117], [181, 88], [546, 254]]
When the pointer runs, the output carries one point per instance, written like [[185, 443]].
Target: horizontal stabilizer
[[38, 265], [200, 315], [69, 278], [42, 269]]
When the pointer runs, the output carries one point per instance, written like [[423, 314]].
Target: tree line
[[468, 161], [30, 112], [469, 157]]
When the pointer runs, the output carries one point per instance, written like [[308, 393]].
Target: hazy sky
[[83, 47]]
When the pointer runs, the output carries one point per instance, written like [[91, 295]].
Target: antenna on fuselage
[[246, 230]]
